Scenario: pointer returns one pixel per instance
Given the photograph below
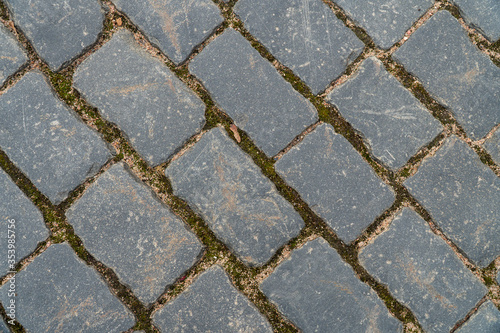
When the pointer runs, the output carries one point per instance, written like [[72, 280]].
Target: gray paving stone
[[252, 92], [319, 292], [391, 119], [211, 304], [422, 272], [123, 225], [59, 293], [59, 30], [486, 320], [3, 327], [452, 69], [238, 203], [462, 196], [484, 14], [492, 145], [306, 36], [128, 84], [176, 27], [335, 182], [43, 137], [12, 56]]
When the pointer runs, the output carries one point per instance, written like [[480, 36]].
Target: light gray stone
[[492, 145], [485, 320], [12, 56], [483, 14]]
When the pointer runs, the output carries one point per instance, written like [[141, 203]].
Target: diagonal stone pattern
[[12, 55], [487, 319], [484, 14]]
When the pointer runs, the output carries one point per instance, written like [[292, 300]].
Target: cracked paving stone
[[126, 227], [58, 292], [306, 36], [252, 92], [422, 272], [175, 26], [492, 145], [335, 181], [211, 304], [485, 320], [483, 14], [12, 56], [126, 84], [453, 70], [58, 30], [391, 119], [239, 204], [462, 196], [46, 140], [319, 292]]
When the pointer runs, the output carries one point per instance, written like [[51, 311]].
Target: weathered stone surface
[[252, 92], [43, 137], [462, 196], [123, 225], [335, 181], [492, 145], [306, 36], [485, 320], [452, 69], [59, 30], [211, 304], [11, 54], [238, 203], [3, 327], [60, 293], [422, 272], [391, 119], [127, 85], [484, 14], [175, 26]]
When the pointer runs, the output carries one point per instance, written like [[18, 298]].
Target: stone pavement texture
[[250, 166]]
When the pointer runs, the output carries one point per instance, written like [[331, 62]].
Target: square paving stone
[[452, 69], [319, 292], [392, 120], [492, 145], [58, 292], [46, 140], [485, 320], [306, 36], [12, 56], [252, 92], [483, 14], [141, 95], [58, 30], [335, 181], [462, 195], [422, 272], [236, 200], [175, 26], [126, 227], [211, 304]]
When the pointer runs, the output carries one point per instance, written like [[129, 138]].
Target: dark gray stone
[[127, 84], [239, 204], [59, 30], [43, 137], [485, 320], [306, 36], [484, 14], [12, 56], [492, 145], [126, 227], [60, 293], [452, 69], [391, 119], [462, 196], [211, 304], [175, 26], [335, 181], [252, 92]]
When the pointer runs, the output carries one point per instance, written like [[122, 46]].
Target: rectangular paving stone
[[492, 145], [12, 56], [240, 205], [252, 92], [485, 320], [482, 14], [422, 272]]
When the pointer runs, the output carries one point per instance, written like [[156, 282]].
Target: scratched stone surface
[[482, 14], [123, 225], [422, 272], [492, 145], [485, 320], [12, 56], [126, 84]]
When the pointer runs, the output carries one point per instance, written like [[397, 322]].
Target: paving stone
[[484, 14], [58, 30], [335, 181], [492, 145], [486, 320], [176, 27], [452, 69], [319, 292], [3, 327], [211, 304], [252, 92], [43, 137], [306, 36], [126, 227], [127, 84], [462, 196], [12, 56], [59, 292], [238, 203], [422, 272], [392, 120]]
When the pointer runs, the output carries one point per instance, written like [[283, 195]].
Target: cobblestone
[[483, 14], [492, 145], [486, 320], [12, 55]]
